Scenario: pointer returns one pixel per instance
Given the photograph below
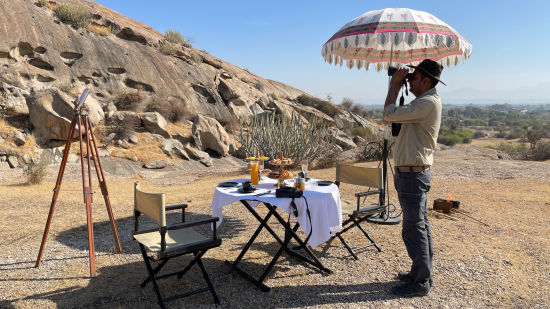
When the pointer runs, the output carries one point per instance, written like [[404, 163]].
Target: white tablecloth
[[324, 206]]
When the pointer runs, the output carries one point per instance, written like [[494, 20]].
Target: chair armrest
[[192, 223], [361, 194], [180, 225], [175, 207]]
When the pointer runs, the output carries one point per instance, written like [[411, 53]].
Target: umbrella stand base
[[383, 218]]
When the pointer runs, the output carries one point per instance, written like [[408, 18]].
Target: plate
[[228, 184], [249, 191], [324, 183]]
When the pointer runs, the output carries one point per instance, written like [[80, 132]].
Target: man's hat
[[430, 68]]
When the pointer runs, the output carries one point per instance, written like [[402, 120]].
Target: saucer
[[228, 184], [240, 190], [324, 183]]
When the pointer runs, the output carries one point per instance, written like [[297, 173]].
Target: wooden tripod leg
[[56, 192], [103, 185], [87, 191]]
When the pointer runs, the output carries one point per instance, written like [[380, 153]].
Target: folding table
[[325, 215]]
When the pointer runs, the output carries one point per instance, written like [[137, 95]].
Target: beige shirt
[[420, 121]]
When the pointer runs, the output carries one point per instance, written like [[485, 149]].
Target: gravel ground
[[506, 264]]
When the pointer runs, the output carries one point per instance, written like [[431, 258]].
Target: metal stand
[[91, 155], [384, 217]]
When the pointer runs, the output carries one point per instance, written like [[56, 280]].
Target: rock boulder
[[210, 134]]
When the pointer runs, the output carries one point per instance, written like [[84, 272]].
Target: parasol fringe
[[358, 64]]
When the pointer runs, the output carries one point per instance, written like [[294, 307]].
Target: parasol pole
[[384, 216]]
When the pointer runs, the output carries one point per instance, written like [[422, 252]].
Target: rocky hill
[[146, 91]]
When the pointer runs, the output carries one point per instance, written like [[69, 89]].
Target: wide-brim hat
[[430, 68]]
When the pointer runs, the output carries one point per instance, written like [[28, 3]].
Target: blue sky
[[282, 40]]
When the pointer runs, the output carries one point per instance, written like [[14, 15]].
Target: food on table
[[285, 174], [251, 158], [284, 161], [282, 175], [264, 158]]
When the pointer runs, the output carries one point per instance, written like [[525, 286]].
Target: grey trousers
[[412, 189]]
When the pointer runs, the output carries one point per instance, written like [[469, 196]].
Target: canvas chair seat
[[175, 239], [357, 211], [170, 241]]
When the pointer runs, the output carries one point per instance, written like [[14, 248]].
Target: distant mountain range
[[539, 93]]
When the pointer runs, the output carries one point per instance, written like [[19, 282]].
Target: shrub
[[196, 58], [173, 36], [168, 48], [74, 14], [330, 156], [479, 134], [364, 132], [66, 87], [129, 100], [449, 140], [374, 150], [125, 129], [324, 106], [273, 134], [43, 3], [35, 172], [515, 151], [230, 123], [541, 152], [347, 103], [361, 111], [258, 85], [172, 111]]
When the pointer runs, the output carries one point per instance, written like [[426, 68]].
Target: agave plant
[[272, 134]]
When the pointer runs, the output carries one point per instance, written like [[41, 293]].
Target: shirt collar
[[430, 91]]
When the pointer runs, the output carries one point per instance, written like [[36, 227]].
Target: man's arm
[[395, 86]]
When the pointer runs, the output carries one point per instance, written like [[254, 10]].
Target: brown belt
[[417, 169]]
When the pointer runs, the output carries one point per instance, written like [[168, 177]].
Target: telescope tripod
[[91, 155]]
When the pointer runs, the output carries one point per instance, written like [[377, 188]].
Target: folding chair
[[169, 241], [357, 211]]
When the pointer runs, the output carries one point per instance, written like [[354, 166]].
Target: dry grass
[[506, 265], [99, 29], [143, 151], [493, 141]]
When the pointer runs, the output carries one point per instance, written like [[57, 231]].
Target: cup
[[247, 185], [300, 183]]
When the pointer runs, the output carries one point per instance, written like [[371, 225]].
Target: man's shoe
[[407, 278], [409, 290]]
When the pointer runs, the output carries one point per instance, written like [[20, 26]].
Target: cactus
[[273, 134]]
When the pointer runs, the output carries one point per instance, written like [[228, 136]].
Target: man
[[413, 156]]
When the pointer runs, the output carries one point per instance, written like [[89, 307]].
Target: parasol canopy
[[408, 36]]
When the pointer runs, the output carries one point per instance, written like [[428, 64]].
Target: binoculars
[[392, 70]]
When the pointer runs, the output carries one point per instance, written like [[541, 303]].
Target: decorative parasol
[[394, 37], [398, 35]]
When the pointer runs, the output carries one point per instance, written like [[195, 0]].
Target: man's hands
[[395, 84], [398, 77]]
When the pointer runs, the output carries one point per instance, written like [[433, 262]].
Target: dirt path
[[505, 265]]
